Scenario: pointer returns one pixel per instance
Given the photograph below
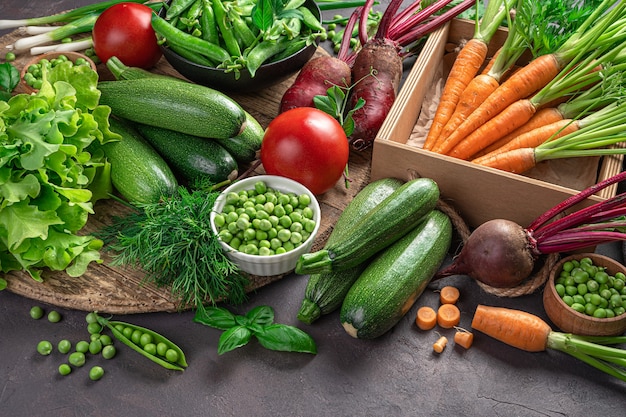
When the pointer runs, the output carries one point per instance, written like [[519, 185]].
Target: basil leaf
[[233, 338], [217, 317], [286, 338], [261, 315], [9, 77]]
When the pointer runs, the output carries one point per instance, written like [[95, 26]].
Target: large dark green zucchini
[[325, 292], [395, 278], [191, 157], [388, 222], [138, 172]]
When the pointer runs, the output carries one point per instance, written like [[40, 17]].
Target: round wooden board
[[121, 290]]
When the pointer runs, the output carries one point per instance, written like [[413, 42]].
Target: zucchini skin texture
[[171, 104], [245, 146], [191, 157], [325, 292], [392, 219], [138, 172], [395, 278]]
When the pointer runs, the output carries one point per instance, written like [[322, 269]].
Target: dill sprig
[[173, 243]]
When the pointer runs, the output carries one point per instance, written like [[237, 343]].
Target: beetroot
[[501, 253]]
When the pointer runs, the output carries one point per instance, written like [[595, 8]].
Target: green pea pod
[[179, 38], [226, 28], [293, 47], [243, 33], [179, 365], [191, 55], [208, 23], [177, 7], [310, 20], [294, 4], [263, 51]]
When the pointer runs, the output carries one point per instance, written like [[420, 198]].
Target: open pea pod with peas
[[148, 343]]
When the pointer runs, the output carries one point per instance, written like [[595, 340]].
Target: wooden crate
[[478, 193]]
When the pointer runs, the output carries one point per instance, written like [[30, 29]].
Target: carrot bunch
[[499, 112]]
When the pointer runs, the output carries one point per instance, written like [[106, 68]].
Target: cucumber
[[245, 146], [170, 104], [325, 292], [191, 157], [138, 172], [395, 278], [388, 222]]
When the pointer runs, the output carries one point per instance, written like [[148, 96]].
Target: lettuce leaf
[[48, 179]]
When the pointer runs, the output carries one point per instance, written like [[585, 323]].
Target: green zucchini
[[191, 157], [325, 292], [138, 172], [170, 104], [245, 146], [381, 227], [395, 278], [123, 72]]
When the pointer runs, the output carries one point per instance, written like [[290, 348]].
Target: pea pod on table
[[165, 353]]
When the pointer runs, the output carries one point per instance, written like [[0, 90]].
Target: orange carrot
[[440, 344], [426, 318], [532, 77], [516, 161], [516, 328], [465, 67], [463, 338], [448, 316], [449, 295], [500, 125], [541, 118], [533, 138]]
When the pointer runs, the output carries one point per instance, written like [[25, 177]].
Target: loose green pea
[[36, 312], [96, 373], [109, 351], [91, 318], [82, 346], [65, 369], [94, 327], [44, 347], [54, 316], [64, 346], [77, 359], [95, 347]]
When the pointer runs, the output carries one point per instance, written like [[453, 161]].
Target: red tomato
[[306, 145], [125, 30]]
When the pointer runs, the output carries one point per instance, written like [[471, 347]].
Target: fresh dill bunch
[[173, 243]]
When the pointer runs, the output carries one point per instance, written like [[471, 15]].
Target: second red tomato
[[306, 145], [124, 30]]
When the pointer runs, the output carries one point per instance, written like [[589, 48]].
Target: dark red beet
[[377, 71], [315, 78], [498, 253]]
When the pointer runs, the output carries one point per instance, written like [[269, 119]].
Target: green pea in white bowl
[[276, 263]]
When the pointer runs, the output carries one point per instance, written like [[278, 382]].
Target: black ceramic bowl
[[267, 75]]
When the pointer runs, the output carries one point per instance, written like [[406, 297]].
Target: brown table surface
[[394, 375]]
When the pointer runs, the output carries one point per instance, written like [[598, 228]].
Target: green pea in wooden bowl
[[569, 320]]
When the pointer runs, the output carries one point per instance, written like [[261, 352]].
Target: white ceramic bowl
[[273, 264]]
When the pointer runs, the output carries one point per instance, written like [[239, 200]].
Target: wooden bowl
[[72, 56], [569, 320]]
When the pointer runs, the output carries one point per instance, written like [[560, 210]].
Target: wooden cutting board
[[120, 290]]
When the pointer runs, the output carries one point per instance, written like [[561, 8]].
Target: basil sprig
[[258, 322]]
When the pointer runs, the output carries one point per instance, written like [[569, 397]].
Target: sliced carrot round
[[426, 318], [464, 338], [449, 295], [448, 316]]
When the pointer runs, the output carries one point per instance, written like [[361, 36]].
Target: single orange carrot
[[533, 138], [514, 116], [448, 316], [516, 161], [523, 83], [491, 61], [426, 318], [449, 295], [465, 67], [516, 328], [463, 338], [440, 344], [541, 118]]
